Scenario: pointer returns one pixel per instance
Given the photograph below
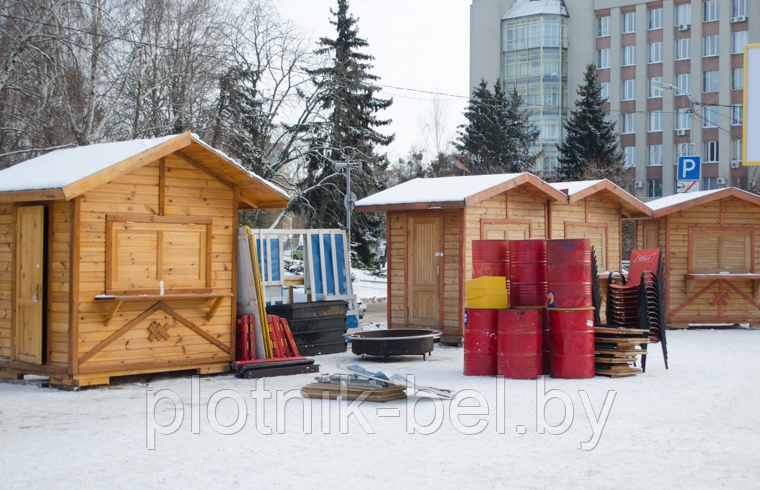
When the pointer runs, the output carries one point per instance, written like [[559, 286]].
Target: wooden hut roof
[[68, 173], [607, 190], [454, 192], [680, 202]]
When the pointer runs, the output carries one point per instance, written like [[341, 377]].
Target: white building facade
[[672, 71]]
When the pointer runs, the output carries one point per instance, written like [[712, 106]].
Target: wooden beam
[[418, 206], [28, 196], [112, 338], [162, 186], [152, 218], [14, 282]]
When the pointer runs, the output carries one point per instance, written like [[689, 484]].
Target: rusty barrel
[[571, 343], [568, 273], [480, 331], [490, 258], [527, 272], [519, 344]]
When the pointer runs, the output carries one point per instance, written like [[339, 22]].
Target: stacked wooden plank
[[617, 350]]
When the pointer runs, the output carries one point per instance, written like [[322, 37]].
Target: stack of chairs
[[640, 301]]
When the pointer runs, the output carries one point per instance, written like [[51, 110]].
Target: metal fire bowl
[[394, 342]]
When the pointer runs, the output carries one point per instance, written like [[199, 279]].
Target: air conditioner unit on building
[[720, 181], [638, 184], [736, 163], [734, 20], [683, 27], [681, 132], [741, 18]]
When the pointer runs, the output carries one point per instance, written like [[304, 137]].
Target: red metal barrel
[[519, 344], [480, 330], [568, 273], [527, 272], [490, 258], [571, 343]]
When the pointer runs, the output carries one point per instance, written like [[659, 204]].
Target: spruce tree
[[498, 134], [348, 134], [590, 148]]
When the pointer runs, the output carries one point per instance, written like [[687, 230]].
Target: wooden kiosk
[[710, 241], [431, 224], [120, 258]]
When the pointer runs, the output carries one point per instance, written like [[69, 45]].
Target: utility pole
[[350, 198]]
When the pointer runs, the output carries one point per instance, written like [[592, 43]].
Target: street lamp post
[[692, 103], [350, 198]]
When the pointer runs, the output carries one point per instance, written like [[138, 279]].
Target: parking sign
[[689, 168]]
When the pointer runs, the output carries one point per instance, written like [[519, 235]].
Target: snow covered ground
[[369, 288], [692, 426]]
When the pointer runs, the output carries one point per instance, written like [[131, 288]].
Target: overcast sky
[[422, 45]]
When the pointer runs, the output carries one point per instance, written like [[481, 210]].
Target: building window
[[629, 123], [655, 19], [629, 55], [629, 90], [604, 90], [710, 45], [711, 152], [737, 78], [603, 58], [683, 14], [683, 119], [682, 150], [655, 121], [714, 249], [739, 40], [739, 8], [710, 117], [683, 48], [683, 82], [709, 183], [737, 115], [629, 153], [629, 22], [711, 81], [602, 26], [655, 155], [736, 150], [655, 52], [711, 10], [654, 188], [655, 91]]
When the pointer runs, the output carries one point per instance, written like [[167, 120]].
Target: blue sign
[[689, 168]]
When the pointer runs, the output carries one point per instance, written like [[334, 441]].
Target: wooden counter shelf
[[118, 300], [691, 278]]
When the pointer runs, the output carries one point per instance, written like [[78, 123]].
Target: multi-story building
[[672, 71]]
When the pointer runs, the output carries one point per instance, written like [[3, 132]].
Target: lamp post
[[350, 198]]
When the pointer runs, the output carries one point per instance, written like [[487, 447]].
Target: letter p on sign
[[689, 168]]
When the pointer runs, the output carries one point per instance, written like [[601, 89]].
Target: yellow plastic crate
[[493, 301], [487, 282]]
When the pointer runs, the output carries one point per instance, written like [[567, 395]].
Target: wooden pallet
[[332, 391], [617, 350]]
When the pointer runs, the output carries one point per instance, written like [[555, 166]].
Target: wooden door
[[425, 247], [651, 235], [30, 235]]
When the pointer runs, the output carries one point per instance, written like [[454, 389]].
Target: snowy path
[[693, 426]]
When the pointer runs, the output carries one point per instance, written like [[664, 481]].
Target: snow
[[692, 426], [438, 190], [525, 8], [370, 288], [674, 199], [571, 188], [60, 168]]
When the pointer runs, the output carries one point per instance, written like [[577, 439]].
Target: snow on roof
[[442, 189], [571, 188], [60, 168], [674, 199], [526, 8]]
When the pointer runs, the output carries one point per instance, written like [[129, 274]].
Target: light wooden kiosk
[[120, 259], [710, 240], [431, 224]]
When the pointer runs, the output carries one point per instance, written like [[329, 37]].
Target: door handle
[[36, 295], [437, 270]]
